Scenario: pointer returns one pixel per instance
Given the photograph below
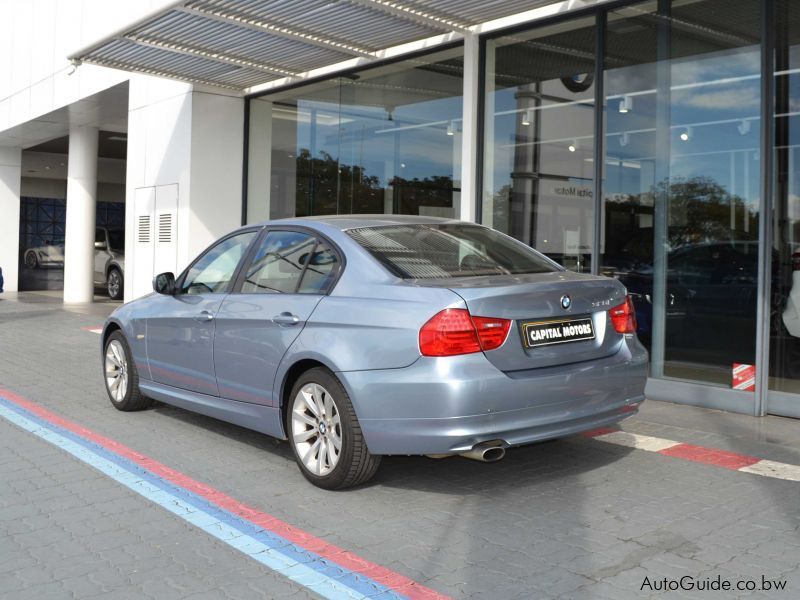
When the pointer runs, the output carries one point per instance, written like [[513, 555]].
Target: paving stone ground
[[573, 518]]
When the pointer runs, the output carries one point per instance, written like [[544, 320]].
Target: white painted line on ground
[[710, 456], [638, 441], [777, 470]]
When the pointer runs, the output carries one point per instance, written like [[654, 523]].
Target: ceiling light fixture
[[451, 128], [626, 104], [624, 139], [744, 127], [527, 117], [573, 146], [686, 134]]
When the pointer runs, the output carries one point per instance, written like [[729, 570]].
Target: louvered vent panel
[[143, 229], [165, 228]]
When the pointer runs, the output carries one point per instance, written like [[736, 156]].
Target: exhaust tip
[[487, 451], [494, 454]]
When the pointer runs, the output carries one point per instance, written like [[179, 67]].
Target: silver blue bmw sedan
[[361, 336]]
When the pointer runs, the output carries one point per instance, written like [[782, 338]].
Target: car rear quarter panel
[[375, 329]]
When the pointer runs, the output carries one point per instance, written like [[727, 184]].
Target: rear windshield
[[448, 250]]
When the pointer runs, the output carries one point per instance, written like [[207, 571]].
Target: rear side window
[[291, 262], [435, 251], [323, 264]]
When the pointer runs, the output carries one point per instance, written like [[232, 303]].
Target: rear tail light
[[454, 331], [623, 317]]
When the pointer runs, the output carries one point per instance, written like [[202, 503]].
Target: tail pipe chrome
[[487, 451]]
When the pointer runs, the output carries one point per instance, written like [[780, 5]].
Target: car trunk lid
[[533, 302]]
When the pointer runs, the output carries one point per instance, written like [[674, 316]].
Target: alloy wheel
[[316, 429], [113, 283], [116, 370]]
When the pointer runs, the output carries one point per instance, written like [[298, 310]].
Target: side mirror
[[99, 245], [164, 283]]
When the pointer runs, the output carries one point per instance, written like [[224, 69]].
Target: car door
[[180, 327], [101, 255], [290, 272]]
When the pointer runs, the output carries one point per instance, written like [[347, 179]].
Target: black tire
[[133, 399], [115, 284], [31, 260], [355, 464]]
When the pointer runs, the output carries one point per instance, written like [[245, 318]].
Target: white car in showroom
[[47, 255]]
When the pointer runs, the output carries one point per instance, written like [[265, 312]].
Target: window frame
[[245, 255], [318, 236]]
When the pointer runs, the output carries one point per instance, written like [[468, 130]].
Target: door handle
[[204, 317], [286, 318]]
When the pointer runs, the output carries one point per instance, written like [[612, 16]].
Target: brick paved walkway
[[575, 518]]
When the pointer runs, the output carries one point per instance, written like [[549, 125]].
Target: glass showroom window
[[682, 179], [785, 297], [538, 159], [383, 140]]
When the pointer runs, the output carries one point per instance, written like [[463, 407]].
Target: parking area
[[680, 495]]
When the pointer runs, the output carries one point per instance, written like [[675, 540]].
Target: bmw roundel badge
[[566, 301]]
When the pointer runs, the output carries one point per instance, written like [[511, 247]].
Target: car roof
[[345, 222]]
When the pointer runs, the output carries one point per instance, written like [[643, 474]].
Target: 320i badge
[[360, 336]]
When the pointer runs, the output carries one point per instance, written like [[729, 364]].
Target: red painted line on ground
[[599, 431], [395, 581], [710, 456]]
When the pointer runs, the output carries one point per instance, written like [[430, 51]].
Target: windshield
[[116, 239], [434, 251]]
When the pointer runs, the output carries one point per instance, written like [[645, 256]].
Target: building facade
[[651, 141]]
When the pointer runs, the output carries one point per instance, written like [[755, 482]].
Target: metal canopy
[[239, 44]]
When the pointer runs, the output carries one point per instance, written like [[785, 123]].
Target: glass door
[[681, 181], [784, 380]]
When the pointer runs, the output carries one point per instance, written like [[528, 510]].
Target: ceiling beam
[[292, 33], [208, 54], [415, 15]]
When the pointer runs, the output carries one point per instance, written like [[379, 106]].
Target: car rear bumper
[[447, 405]]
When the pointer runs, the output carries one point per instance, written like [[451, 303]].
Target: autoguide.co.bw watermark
[[714, 584]]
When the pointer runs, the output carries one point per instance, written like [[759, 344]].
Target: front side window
[[213, 271], [116, 239], [280, 264], [443, 251]]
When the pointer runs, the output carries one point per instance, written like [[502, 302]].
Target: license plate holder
[[538, 333]]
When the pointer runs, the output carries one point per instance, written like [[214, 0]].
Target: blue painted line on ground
[[301, 566]]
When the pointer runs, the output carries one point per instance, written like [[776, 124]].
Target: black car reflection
[[710, 298]]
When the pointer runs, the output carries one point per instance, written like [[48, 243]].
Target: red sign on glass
[[744, 377]]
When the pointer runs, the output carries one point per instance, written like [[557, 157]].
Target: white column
[[81, 208], [10, 178], [259, 182], [469, 131]]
